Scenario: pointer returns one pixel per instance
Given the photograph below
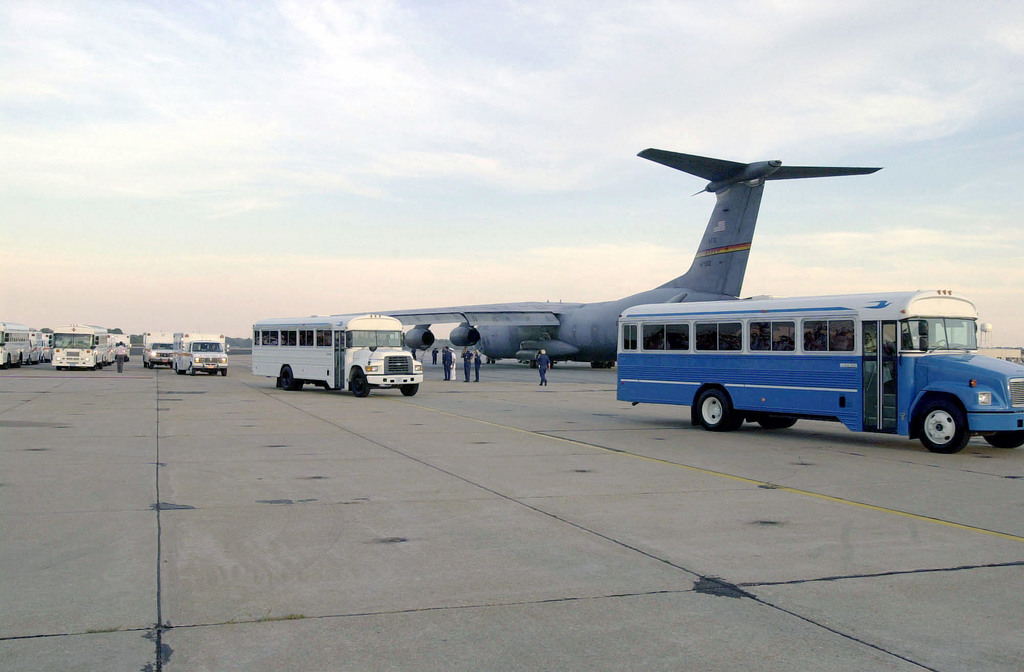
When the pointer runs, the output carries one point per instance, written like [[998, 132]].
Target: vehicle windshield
[[373, 339], [206, 347], [72, 340], [161, 346], [939, 333]]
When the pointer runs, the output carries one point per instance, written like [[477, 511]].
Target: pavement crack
[[843, 577]]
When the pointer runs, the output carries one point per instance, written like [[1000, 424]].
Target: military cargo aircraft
[[585, 332]]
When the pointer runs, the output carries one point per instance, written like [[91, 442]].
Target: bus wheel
[[943, 428], [776, 421], [410, 390], [224, 373], [715, 412], [1006, 439], [288, 381], [358, 385]]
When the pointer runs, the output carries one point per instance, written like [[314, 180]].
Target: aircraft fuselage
[[590, 329]]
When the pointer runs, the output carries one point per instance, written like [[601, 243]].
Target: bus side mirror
[[922, 333], [923, 347]]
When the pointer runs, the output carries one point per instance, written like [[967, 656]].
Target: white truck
[[158, 349], [200, 352]]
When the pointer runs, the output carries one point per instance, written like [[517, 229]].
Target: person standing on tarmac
[[433, 353], [446, 363], [476, 365], [120, 354], [467, 362], [543, 364]]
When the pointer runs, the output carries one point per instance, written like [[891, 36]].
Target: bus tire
[[1006, 439], [288, 381], [715, 412], [358, 385], [410, 390], [775, 421], [224, 373], [943, 427]]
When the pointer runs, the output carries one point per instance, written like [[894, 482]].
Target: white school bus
[[15, 345], [81, 346], [337, 352]]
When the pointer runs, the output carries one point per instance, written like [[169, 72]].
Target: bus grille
[[398, 365], [1017, 392]]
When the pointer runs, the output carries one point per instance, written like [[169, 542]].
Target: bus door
[[880, 376], [339, 360]]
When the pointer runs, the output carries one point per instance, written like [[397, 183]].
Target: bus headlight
[[370, 368], [984, 398], [417, 368]]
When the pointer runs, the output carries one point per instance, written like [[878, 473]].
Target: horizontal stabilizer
[[722, 174], [795, 172]]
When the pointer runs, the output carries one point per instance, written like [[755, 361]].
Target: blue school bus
[[903, 363]]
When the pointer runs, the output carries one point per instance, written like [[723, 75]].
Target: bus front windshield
[[72, 340], [206, 347], [939, 333], [373, 339]]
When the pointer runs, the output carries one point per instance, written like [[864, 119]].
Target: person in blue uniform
[[467, 362], [543, 364], [446, 362], [476, 365]]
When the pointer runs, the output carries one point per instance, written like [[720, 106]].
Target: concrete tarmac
[[150, 521]]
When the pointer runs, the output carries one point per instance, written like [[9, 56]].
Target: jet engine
[[464, 335], [419, 337]]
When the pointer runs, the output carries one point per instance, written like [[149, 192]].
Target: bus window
[[815, 335], [938, 333], [323, 337], [707, 336], [363, 338], [677, 337], [306, 337], [270, 338], [654, 337], [759, 335], [629, 337], [288, 337], [840, 335], [783, 336], [730, 336]]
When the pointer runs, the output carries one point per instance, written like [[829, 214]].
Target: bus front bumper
[[392, 380], [1006, 421]]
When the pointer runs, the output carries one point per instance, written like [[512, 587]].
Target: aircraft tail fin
[[721, 259]]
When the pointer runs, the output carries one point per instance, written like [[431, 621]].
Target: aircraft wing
[[519, 314]]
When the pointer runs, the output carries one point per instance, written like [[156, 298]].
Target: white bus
[[901, 363], [81, 346], [15, 344], [338, 352], [45, 341]]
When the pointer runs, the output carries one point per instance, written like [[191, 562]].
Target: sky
[[180, 165]]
